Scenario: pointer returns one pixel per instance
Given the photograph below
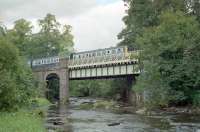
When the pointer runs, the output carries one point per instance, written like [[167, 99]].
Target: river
[[71, 118]]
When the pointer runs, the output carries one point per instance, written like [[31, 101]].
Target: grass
[[41, 102], [21, 121], [25, 120]]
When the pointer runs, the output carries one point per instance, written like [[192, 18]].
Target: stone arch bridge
[[112, 66]]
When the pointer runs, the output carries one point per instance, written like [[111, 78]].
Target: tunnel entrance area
[[52, 92]]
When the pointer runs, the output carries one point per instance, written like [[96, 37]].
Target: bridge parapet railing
[[130, 56]]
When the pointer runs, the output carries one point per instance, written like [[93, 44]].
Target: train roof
[[91, 51]]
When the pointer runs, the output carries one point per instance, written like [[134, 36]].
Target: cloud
[[99, 27], [95, 23], [14, 9]]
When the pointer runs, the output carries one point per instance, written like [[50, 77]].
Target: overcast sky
[[95, 23]]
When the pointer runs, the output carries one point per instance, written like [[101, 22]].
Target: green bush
[[196, 98], [97, 88], [16, 81], [40, 102]]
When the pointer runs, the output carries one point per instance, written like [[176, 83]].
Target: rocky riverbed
[[96, 115]]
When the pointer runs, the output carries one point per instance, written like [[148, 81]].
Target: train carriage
[[100, 53]]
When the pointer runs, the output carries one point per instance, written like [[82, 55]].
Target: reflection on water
[[71, 119]]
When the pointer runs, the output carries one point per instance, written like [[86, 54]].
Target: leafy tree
[[139, 15], [170, 59], [52, 39], [112, 89], [20, 35], [66, 43], [17, 85], [143, 14], [16, 82], [164, 30]]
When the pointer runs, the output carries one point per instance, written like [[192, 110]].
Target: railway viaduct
[[113, 66]]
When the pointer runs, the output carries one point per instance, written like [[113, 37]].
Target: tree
[[139, 15], [52, 40], [16, 81], [143, 14], [66, 42], [170, 56], [164, 31], [20, 35]]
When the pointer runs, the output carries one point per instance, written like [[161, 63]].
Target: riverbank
[[26, 119], [187, 110]]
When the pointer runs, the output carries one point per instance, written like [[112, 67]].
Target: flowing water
[[71, 118]]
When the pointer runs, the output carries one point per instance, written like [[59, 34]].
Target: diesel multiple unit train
[[100, 53]]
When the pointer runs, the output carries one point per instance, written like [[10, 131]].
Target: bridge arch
[[52, 86]]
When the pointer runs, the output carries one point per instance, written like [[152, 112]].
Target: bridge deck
[[117, 65]]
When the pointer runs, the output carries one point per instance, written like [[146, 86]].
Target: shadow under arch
[[52, 85]]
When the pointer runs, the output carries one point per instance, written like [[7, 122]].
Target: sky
[[95, 23]]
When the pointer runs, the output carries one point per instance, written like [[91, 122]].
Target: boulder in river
[[114, 124]]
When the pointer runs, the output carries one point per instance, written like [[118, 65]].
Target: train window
[[119, 50], [98, 53], [104, 52], [93, 54], [79, 56]]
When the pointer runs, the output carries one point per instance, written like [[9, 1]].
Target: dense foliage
[[53, 39], [17, 46], [168, 33], [16, 82], [112, 88]]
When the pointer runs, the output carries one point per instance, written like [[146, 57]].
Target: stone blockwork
[[61, 70]]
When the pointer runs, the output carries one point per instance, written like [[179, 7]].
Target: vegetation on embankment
[[21, 121], [28, 119], [168, 34]]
